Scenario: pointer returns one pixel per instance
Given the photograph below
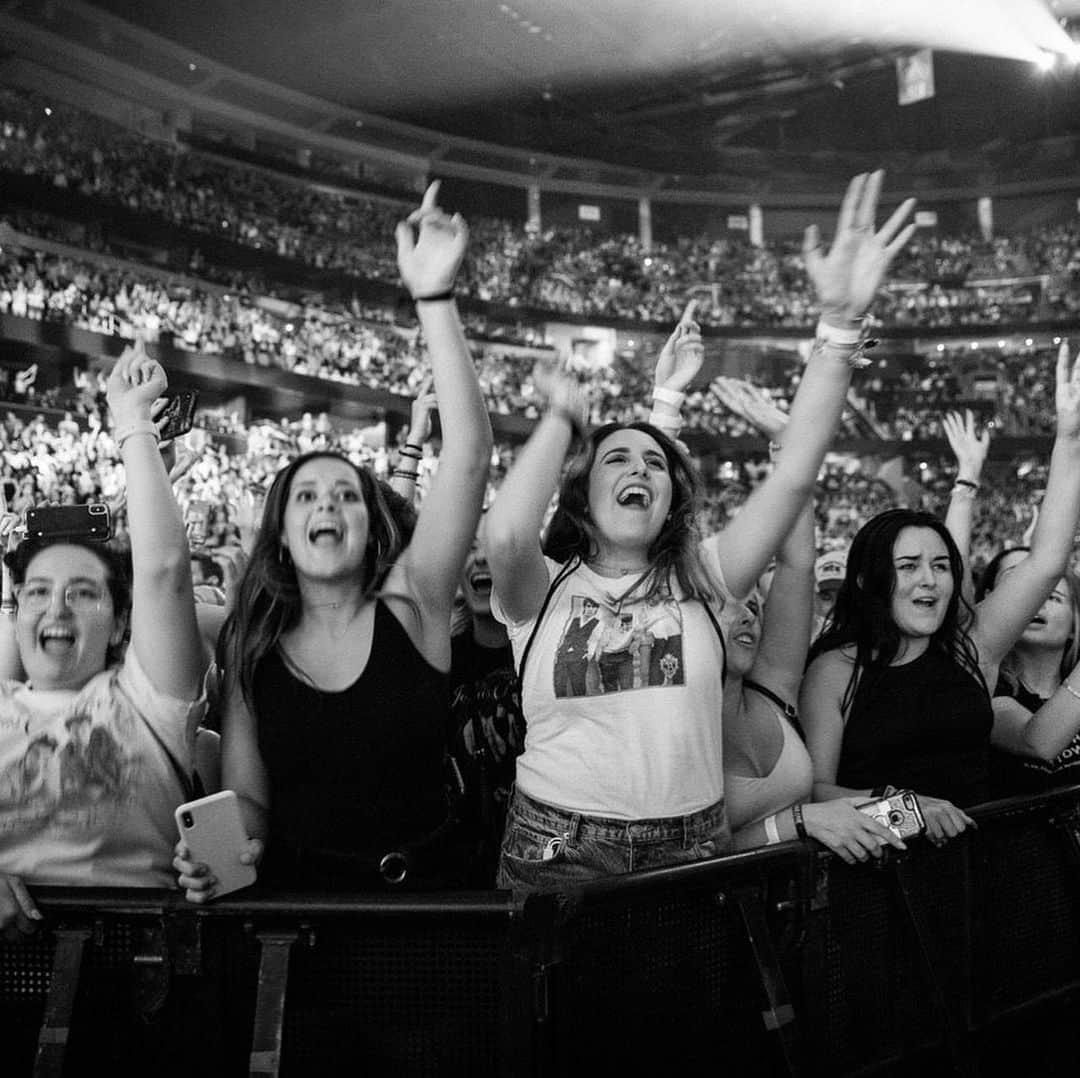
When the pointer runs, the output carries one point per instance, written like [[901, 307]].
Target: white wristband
[[833, 335], [140, 426], [668, 396], [772, 833]]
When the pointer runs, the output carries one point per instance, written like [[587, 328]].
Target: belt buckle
[[394, 867]]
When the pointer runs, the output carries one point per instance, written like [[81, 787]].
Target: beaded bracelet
[[800, 824]]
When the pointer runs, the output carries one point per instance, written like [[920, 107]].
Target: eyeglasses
[[81, 597]]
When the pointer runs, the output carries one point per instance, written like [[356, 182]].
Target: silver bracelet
[[1070, 690]]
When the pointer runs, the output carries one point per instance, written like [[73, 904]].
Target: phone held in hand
[[900, 813], [213, 831], [91, 521], [179, 413]]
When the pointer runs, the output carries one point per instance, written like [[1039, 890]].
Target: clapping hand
[[847, 278], [751, 404]]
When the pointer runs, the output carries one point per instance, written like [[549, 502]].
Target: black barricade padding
[[783, 961]]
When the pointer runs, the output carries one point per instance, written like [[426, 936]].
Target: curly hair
[[676, 549], [268, 600], [862, 616], [113, 555]]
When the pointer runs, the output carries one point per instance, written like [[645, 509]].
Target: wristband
[[140, 426], [400, 473], [410, 455], [436, 297], [965, 483], [7, 606], [413, 445], [797, 816], [772, 833], [668, 396], [830, 334]]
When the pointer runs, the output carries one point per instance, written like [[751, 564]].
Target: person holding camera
[[96, 744], [630, 775], [335, 658], [896, 693]]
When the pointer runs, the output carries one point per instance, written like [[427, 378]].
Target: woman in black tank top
[[335, 658], [896, 690]]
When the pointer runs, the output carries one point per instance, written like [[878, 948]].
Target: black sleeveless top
[[356, 773], [923, 726], [1012, 775]]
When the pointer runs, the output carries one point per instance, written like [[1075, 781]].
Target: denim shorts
[[547, 848]]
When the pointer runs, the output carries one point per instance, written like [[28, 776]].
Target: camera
[[900, 813], [188, 819]]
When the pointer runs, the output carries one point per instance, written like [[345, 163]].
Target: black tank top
[[355, 773], [1012, 775], [923, 726]]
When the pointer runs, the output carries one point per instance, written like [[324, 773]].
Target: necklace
[[620, 570]]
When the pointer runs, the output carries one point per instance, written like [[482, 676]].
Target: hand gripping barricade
[[781, 961]]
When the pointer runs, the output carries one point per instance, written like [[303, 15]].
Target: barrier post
[[60, 1003]]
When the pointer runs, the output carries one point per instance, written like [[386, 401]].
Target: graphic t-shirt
[[622, 696], [87, 787]]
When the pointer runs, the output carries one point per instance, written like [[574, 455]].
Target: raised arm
[[512, 524], [1005, 611], [431, 246], [789, 608], [846, 280], [970, 451], [403, 477], [1044, 734], [164, 633]]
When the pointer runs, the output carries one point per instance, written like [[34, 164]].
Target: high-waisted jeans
[[545, 848]]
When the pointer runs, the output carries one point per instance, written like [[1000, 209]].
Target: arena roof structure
[[712, 95]]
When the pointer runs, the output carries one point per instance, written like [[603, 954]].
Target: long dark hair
[[116, 558], [675, 550], [268, 601], [862, 617], [1070, 653]]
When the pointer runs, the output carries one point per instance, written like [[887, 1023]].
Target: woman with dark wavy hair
[[896, 692], [1036, 735], [628, 773], [335, 662]]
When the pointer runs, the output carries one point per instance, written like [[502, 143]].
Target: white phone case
[[214, 832]]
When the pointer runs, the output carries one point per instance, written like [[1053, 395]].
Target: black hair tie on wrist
[[435, 298]]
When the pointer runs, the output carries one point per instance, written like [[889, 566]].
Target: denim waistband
[[689, 829]]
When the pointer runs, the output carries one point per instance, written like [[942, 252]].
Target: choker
[[618, 569]]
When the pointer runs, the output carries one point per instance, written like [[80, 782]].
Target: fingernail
[[36, 915]]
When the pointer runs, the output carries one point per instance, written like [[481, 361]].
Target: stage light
[[1046, 61]]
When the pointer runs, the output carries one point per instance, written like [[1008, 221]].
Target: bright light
[[1045, 61]]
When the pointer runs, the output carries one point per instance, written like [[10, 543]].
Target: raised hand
[[420, 413], [682, 355], [968, 447], [847, 278], [430, 247], [751, 404], [565, 395], [1067, 396], [135, 382]]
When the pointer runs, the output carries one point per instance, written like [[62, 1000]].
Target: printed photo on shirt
[[613, 648]]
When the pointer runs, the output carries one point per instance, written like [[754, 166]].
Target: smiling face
[[923, 582], [62, 648], [629, 491], [325, 525]]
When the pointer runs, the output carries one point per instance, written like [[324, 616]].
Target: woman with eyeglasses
[[96, 743]]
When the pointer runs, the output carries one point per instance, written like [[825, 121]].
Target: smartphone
[[179, 413], [900, 813], [197, 522], [69, 522], [214, 833]]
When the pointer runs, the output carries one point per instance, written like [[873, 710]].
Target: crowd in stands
[[561, 270]]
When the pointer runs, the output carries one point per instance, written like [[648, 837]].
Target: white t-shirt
[[622, 701], [87, 791]]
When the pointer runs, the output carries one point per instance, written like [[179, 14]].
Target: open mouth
[[635, 497], [926, 604], [326, 531], [480, 583], [746, 639], [1038, 620], [56, 638]]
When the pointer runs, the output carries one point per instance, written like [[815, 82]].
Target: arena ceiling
[[668, 85]]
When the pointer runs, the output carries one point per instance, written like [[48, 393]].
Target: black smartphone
[[179, 413], [69, 522]]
